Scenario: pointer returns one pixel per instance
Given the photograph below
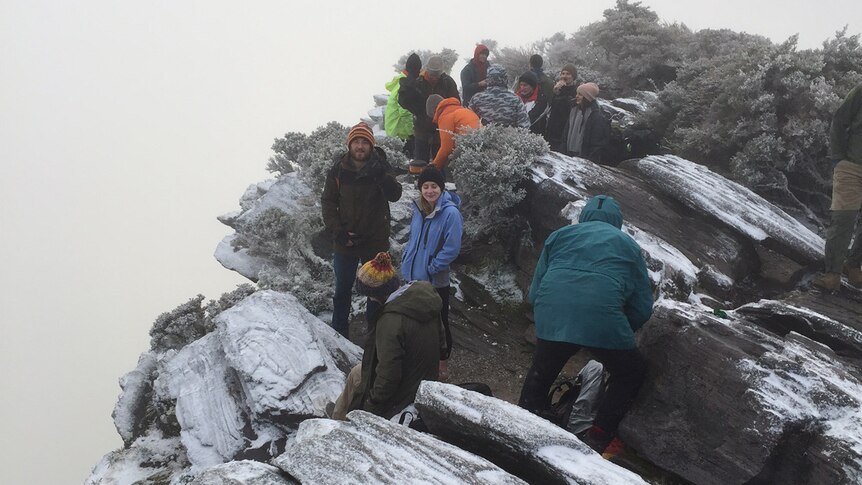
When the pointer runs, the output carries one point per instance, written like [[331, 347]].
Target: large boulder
[[370, 449], [513, 438], [727, 401]]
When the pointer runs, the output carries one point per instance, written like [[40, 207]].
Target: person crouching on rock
[[435, 242], [403, 347], [590, 290]]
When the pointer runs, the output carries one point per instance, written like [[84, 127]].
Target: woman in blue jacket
[[435, 241], [590, 289]]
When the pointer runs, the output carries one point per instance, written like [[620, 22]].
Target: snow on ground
[[500, 282]]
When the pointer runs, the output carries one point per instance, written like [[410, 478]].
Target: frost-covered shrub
[[449, 57], [394, 149], [488, 166], [285, 240], [192, 320], [180, 326], [314, 153]]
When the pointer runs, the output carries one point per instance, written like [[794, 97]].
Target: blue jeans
[[345, 274]]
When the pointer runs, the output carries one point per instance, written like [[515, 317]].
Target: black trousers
[[444, 315], [627, 370]]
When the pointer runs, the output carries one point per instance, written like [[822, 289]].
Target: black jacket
[[413, 93], [597, 135], [561, 105]]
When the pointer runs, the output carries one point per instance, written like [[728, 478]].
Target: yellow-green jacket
[[397, 121]]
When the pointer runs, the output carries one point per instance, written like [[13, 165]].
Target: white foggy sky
[[127, 127]]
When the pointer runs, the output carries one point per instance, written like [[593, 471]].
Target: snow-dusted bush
[[192, 319], [488, 166], [285, 240], [394, 149]]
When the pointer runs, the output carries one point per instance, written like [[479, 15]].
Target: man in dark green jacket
[[404, 343], [355, 204], [591, 289], [846, 154]]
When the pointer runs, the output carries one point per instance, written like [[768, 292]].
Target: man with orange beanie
[[355, 202], [451, 118]]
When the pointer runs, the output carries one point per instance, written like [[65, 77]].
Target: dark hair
[[536, 61]]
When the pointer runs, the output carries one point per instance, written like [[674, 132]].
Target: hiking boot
[[829, 281], [854, 277], [596, 438], [614, 448]]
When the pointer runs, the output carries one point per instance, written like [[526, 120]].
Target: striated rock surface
[[370, 449], [727, 401], [243, 472], [513, 438]]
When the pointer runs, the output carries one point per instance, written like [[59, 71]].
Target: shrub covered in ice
[[489, 165]]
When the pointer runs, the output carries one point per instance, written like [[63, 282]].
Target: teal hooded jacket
[[591, 285]]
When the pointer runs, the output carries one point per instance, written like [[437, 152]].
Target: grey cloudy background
[[127, 127]]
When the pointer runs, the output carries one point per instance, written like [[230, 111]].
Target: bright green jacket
[[591, 285], [846, 133], [397, 121]]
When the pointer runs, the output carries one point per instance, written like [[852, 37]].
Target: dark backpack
[[561, 399]]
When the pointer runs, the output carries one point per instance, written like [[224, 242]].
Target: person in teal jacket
[[590, 290], [435, 242]]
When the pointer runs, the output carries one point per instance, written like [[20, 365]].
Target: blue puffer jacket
[[435, 241], [591, 285]]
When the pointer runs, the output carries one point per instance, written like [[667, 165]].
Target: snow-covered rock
[[513, 438], [153, 458], [243, 472], [370, 449], [755, 406], [137, 387]]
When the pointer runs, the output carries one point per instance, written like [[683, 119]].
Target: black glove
[[376, 171]]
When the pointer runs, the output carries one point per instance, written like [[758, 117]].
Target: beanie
[[431, 174], [360, 130], [571, 69], [413, 65], [434, 65], [530, 78], [431, 104], [589, 91], [377, 278]]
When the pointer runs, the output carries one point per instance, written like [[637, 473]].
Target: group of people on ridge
[[590, 290], [426, 110]]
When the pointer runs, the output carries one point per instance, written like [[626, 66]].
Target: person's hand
[[558, 86], [343, 238], [483, 83]]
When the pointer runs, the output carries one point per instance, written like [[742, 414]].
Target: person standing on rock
[[590, 290], [355, 203], [846, 153], [496, 105], [587, 132], [535, 101], [413, 95], [564, 90], [474, 73], [398, 121], [435, 242], [403, 347]]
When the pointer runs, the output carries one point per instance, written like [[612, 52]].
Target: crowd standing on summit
[[590, 289]]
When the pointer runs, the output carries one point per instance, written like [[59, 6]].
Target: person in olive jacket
[[846, 153], [590, 290], [355, 205], [404, 343]]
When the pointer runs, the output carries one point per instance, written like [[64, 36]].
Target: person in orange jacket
[[451, 118]]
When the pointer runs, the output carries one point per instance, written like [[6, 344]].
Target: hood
[[602, 208], [413, 65], [447, 199], [444, 105], [478, 50], [395, 82], [497, 76], [417, 300]]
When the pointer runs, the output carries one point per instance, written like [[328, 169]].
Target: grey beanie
[[431, 104]]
